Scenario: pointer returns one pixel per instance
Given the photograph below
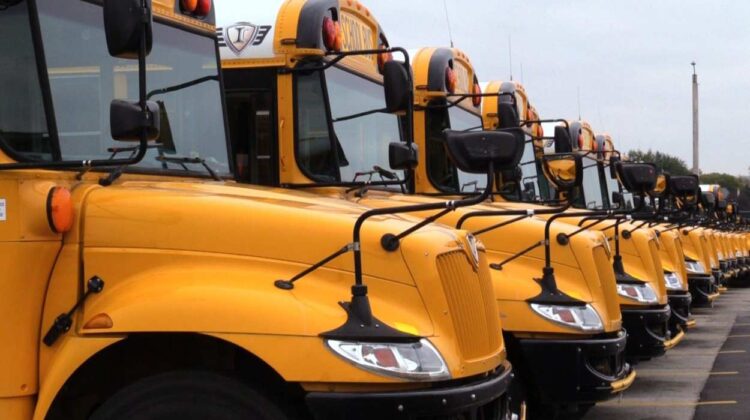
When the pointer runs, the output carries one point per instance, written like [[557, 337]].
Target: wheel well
[[143, 355]]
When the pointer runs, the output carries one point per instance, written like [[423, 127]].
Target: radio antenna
[[448, 20], [510, 57], [522, 73], [578, 93]]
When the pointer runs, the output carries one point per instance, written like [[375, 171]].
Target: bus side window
[[251, 113]]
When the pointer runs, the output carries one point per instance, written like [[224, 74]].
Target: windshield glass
[[84, 79], [23, 124], [357, 145], [441, 171], [592, 186]]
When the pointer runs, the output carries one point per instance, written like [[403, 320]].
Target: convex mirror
[[563, 170]]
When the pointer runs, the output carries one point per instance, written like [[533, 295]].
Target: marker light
[[642, 293], [59, 209], [418, 361], [189, 6], [477, 100], [672, 281], [333, 36], [584, 318], [451, 80], [580, 140]]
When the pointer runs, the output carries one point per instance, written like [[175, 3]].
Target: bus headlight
[[695, 267], [418, 361], [584, 318], [672, 281], [643, 293]]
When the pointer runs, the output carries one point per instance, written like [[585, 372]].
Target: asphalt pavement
[[706, 376]]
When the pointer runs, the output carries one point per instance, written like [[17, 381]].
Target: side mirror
[[402, 156], [478, 151], [124, 27], [507, 114], [563, 144], [126, 120], [397, 86], [661, 186], [563, 170], [637, 178], [617, 198], [683, 186]]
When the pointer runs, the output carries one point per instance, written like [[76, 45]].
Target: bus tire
[[187, 395]]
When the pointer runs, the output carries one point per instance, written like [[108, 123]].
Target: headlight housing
[[642, 293], [584, 318], [695, 267], [418, 361], [672, 281]]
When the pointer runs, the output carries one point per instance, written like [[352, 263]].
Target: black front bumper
[[648, 330], [575, 371], [680, 302], [703, 289], [476, 398]]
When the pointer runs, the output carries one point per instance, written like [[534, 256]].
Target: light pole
[[696, 163]]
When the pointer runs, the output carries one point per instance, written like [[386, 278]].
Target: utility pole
[[696, 161]]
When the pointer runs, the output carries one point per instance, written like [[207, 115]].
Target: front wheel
[[187, 395]]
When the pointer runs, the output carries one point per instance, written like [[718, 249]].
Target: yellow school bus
[[141, 279], [642, 294], [315, 129]]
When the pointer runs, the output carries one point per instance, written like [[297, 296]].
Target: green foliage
[[671, 164]]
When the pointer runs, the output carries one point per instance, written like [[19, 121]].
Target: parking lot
[[704, 377]]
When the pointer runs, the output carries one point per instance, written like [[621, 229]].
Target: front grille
[[471, 299], [610, 365]]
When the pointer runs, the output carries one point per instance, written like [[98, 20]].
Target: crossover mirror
[[402, 156], [125, 28], [397, 86], [563, 170], [479, 151], [638, 178], [126, 121]]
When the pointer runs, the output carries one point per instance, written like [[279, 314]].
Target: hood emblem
[[472, 242]]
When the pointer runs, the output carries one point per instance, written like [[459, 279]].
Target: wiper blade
[[376, 170], [184, 161], [181, 86]]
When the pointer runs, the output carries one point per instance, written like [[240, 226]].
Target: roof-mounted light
[[477, 100], [333, 35], [451, 80], [196, 8]]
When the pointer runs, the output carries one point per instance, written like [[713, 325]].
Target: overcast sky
[[630, 60]]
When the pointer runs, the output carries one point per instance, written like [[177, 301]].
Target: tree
[[671, 164]]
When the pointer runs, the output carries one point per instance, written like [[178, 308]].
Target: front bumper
[[477, 398], [703, 289], [648, 331], [679, 301], [572, 371]]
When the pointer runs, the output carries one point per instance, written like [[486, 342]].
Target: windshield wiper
[[181, 86], [184, 161]]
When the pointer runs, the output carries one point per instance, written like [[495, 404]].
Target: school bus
[[670, 248], [641, 289], [141, 279], [316, 129]]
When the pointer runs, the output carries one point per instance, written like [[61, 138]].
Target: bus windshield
[[356, 146], [83, 80], [441, 171]]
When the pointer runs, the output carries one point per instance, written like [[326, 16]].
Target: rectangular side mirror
[[126, 120], [397, 86], [477, 151], [638, 178], [617, 198], [402, 156], [507, 114], [124, 27], [562, 140]]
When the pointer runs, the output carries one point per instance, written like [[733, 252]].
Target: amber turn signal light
[[59, 209]]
